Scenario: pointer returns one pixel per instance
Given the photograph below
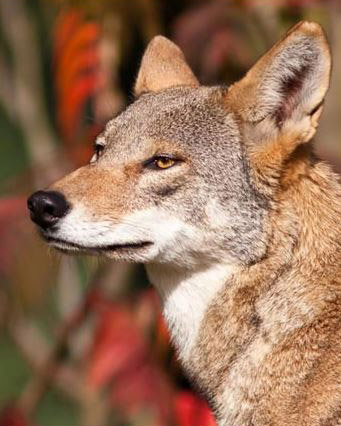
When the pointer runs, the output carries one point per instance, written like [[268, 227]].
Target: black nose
[[47, 207]]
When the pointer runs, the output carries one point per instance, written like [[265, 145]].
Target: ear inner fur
[[290, 87]]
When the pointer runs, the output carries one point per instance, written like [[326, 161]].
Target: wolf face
[[169, 182], [179, 177]]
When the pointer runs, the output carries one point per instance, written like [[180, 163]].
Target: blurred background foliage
[[82, 342]]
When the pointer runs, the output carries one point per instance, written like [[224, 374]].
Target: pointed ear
[[287, 86], [163, 66]]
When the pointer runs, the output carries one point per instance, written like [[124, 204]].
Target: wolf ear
[[163, 66], [288, 84]]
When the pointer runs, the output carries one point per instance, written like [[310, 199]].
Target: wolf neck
[[186, 295]]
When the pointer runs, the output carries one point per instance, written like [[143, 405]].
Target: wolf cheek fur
[[240, 233]]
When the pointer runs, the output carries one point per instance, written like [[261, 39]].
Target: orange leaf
[[77, 69], [65, 26], [85, 35], [86, 60], [70, 109]]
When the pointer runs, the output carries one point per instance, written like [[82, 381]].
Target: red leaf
[[120, 357], [13, 212], [118, 346], [11, 208], [12, 416], [190, 410], [144, 388]]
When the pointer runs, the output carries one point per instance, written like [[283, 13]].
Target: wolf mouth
[[67, 245]]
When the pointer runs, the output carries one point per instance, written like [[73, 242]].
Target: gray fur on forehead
[[159, 109], [196, 120]]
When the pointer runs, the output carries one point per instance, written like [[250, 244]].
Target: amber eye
[[161, 162], [164, 162]]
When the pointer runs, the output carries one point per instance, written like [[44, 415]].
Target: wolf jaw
[[238, 228]]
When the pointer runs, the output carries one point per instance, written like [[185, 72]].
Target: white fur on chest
[[186, 296]]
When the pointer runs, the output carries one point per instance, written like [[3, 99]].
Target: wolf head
[[188, 174]]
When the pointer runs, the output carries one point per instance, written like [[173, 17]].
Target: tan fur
[[98, 185]]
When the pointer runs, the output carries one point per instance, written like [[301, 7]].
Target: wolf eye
[[161, 162], [98, 152], [164, 162]]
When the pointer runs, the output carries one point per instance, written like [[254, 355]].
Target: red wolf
[[218, 192]]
